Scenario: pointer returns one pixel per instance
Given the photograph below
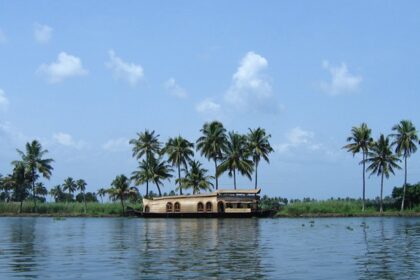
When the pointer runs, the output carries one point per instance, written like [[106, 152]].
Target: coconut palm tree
[[102, 193], [40, 190], [19, 182], [179, 151], [405, 140], [34, 163], [360, 141], [70, 186], [212, 144], [235, 157], [120, 189], [196, 178], [259, 147], [57, 193], [146, 145], [382, 161], [159, 171], [81, 186], [142, 174]]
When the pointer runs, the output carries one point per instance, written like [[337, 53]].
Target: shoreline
[[276, 216]]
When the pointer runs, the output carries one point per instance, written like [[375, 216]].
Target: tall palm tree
[[159, 171], [179, 151], [405, 140], [102, 193], [196, 178], [235, 157], [212, 144], [120, 189], [259, 147], [143, 174], [146, 145], [57, 193], [360, 141], [19, 182], [70, 186], [81, 186], [382, 161], [35, 163]]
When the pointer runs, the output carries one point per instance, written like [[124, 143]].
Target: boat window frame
[[198, 207], [209, 209], [177, 209], [169, 207]]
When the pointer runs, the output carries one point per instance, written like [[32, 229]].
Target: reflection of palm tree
[[360, 141], [259, 147], [382, 161], [35, 163], [179, 152], [70, 186], [405, 140], [235, 157], [196, 178], [212, 143]]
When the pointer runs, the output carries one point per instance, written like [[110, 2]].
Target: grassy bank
[[339, 209], [64, 209]]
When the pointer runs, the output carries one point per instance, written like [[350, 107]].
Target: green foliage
[[412, 195], [196, 178], [67, 209]]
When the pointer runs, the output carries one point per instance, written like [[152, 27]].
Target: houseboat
[[221, 203]]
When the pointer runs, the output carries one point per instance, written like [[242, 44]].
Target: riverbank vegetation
[[231, 152]]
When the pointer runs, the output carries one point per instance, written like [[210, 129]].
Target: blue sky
[[85, 77]]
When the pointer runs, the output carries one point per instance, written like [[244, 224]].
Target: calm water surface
[[123, 248]]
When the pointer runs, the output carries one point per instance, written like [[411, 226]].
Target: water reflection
[[120, 248]]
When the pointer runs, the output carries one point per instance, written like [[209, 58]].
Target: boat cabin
[[242, 202]]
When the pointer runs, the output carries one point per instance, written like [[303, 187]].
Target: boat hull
[[260, 214]]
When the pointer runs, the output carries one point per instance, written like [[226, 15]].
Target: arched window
[[147, 209], [177, 207], [209, 206], [200, 207], [169, 207]]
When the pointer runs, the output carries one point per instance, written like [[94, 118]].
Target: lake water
[[132, 248]]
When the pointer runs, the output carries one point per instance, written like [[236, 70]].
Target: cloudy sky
[[84, 78]]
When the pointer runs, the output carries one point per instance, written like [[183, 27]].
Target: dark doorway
[[220, 207]]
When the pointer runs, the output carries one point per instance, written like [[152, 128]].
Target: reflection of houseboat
[[221, 203]]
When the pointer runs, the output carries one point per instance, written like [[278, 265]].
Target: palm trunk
[[33, 188], [179, 179], [364, 181], [256, 174], [382, 191], [405, 183], [160, 193], [215, 173], [122, 204], [147, 188], [102, 199], [234, 178], [20, 208]]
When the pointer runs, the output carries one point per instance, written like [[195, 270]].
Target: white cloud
[[130, 72], [3, 38], [208, 106], [4, 102], [66, 66], [42, 33], [174, 88], [296, 137], [115, 145], [342, 81], [68, 141], [250, 88]]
